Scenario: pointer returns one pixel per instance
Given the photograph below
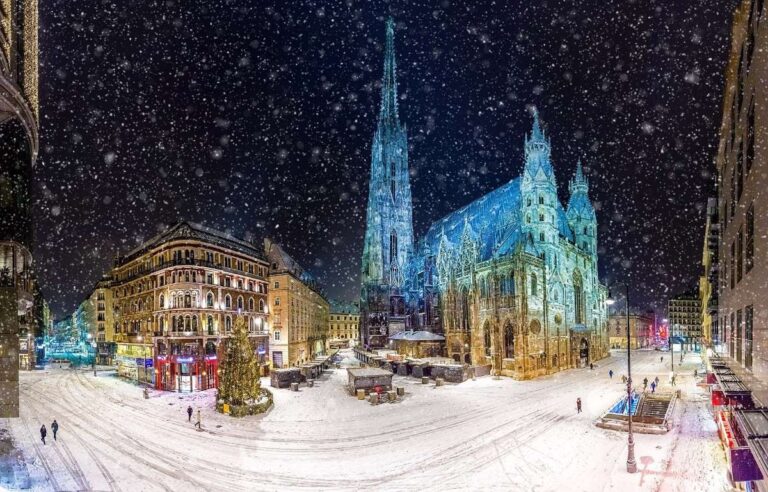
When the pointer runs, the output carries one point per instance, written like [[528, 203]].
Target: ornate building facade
[[19, 126], [175, 299], [510, 280]]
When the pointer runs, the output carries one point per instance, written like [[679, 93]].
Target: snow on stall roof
[[417, 336]]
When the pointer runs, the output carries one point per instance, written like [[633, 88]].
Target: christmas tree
[[240, 383]]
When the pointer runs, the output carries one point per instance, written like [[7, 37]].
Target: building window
[[393, 247], [240, 303], [750, 246], [739, 332], [209, 279], [509, 341], [541, 200], [250, 304], [534, 288], [261, 305], [277, 285], [750, 135], [277, 335], [740, 255], [209, 300], [210, 325], [733, 191], [748, 320], [733, 264], [277, 301], [228, 302], [228, 324], [487, 338]]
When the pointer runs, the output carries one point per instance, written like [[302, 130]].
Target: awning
[[753, 428]]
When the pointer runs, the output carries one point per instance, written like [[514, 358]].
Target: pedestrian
[[662, 358], [189, 413], [695, 373], [656, 380], [43, 433], [653, 387], [578, 405], [610, 373], [673, 380], [54, 428], [624, 379], [199, 423], [645, 382]]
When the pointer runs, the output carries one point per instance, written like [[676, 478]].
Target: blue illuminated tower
[[389, 229], [539, 191], [581, 214]]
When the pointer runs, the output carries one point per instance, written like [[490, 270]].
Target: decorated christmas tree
[[240, 383]]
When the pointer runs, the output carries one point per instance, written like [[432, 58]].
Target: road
[[492, 434]]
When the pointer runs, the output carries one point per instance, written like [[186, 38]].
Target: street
[[491, 434]]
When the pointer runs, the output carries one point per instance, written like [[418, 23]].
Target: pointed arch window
[[509, 341], [393, 247], [541, 200], [541, 236], [393, 179], [534, 288], [578, 298], [209, 300], [487, 338]]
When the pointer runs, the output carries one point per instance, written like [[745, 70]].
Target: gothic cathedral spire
[[389, 241]]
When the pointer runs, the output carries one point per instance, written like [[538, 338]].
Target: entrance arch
[[584, 352]]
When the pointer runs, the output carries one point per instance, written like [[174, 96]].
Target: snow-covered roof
[[417, 336]]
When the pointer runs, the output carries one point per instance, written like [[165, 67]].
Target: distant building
[[641, 332], [175, 300], [19, 126], [344, 329], [684, 313], [710, 330], [298, 308]]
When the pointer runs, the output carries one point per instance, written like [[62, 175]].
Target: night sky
[[257, 117]]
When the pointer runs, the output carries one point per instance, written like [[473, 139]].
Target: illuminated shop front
[[135, 362], [184, 367]]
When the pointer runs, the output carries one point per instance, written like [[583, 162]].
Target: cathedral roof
[[494, 220]]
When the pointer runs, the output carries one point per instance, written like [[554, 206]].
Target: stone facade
[[510, 279], [641, 332], [742, 166], [298, 308], [684, 312]]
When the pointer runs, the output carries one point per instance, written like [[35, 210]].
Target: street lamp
[[631, 464]]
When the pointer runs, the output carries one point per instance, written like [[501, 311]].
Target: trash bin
[[400, 391], [439, 381], [294, 386], [424, 380], [373, 398], [361, 394], [391, 395]]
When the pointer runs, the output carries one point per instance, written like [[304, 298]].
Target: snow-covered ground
[[484, 434]]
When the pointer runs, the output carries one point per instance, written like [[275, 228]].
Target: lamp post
[[631, 463]]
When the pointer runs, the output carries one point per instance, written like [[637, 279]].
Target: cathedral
[[509, 282]]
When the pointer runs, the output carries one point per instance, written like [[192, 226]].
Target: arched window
[[228, 302], [250, 304], [194, 323], [162, 301], [240, 284], [210, 325], [487, 338], [187, 300], [509, 341], [541, 236], [187, 323], [228, 324], [534, 288], [541, 217], [464, 309], [578, 298], [541, 200], [261, 305], [393, 247], [180, 323], [186, 277], [209, 299], [240, 302]]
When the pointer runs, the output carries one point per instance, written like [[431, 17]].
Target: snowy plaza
[[484, 434]]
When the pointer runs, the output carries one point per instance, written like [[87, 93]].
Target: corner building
[[175, 300], [509, 281]]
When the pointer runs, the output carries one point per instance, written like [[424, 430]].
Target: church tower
[[581, 214], [539, 190], [389, 228]]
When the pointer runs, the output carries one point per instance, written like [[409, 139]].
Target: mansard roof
[[494, 219]]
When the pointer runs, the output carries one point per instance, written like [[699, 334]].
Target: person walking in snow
[[653, 387], [591, 366], [695, 373], [189, 413], [199, 423], [662, 358], [610, 373], [673, 380], [43, 433], [54, 428], [578, 405], [645, 383], [656, 380]]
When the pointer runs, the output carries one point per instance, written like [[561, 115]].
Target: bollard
[[361, 394], [439, 381], [373, 398], [294, 386], [424, 380], [391, 395], [401, 391]]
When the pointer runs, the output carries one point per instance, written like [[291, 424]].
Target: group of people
[[198, 422], [44, 431]]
